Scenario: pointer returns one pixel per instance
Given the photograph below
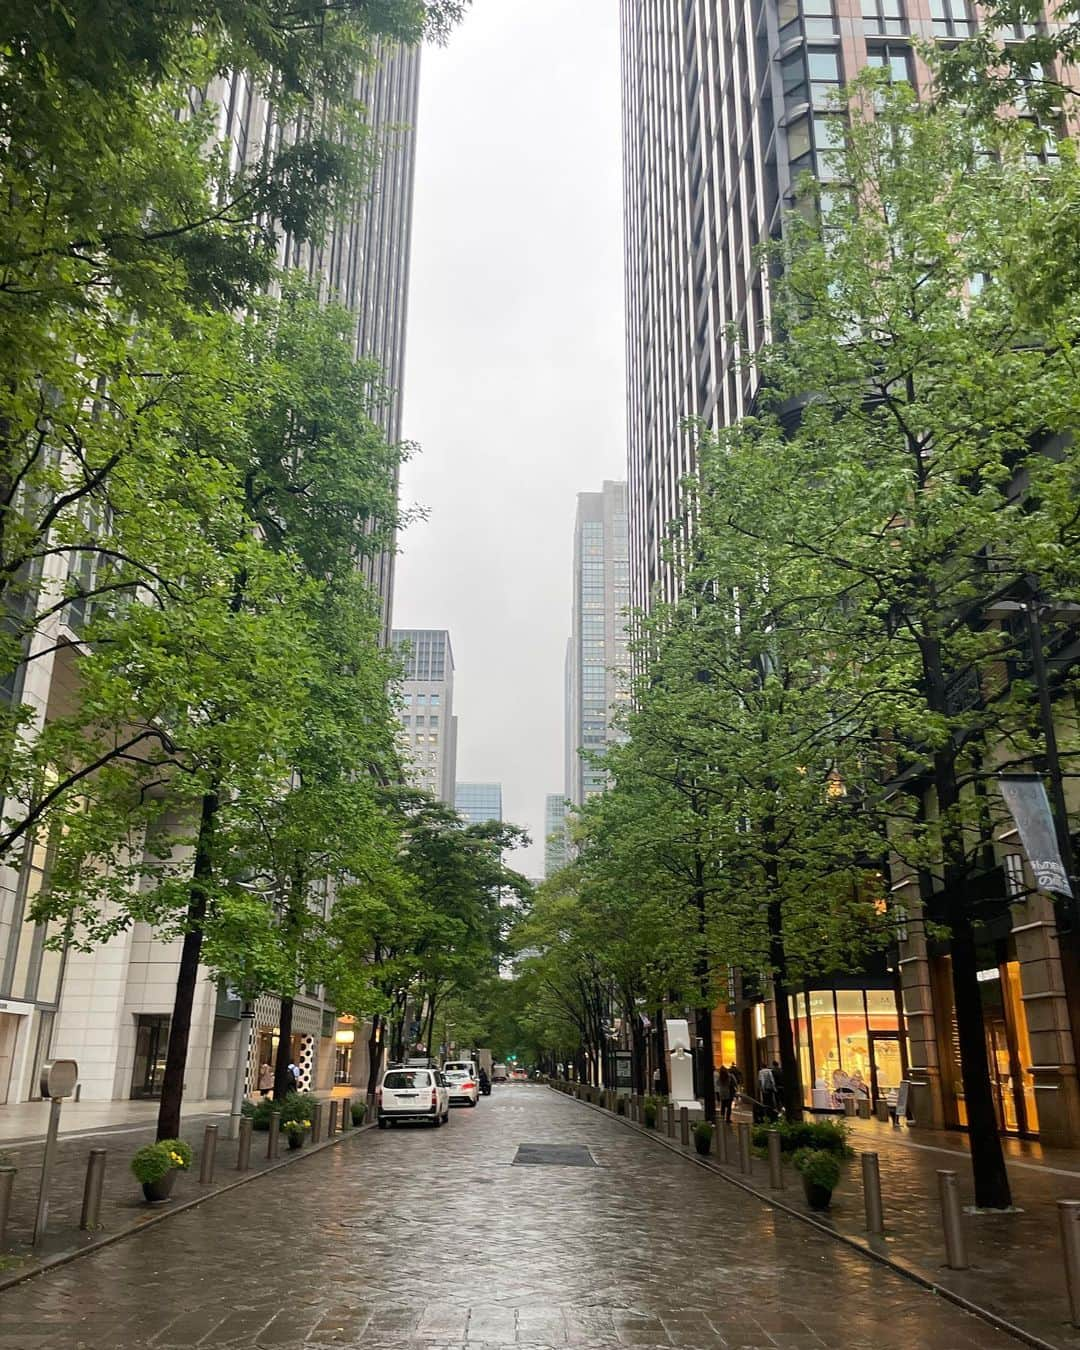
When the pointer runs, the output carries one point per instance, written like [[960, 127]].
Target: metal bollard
[[745, 1160], [274, 1137], [871, 1184], [849, 1105], [776, 1164], [1069, 1219], [881, 1107], [670, 1121], [209, 1152], [89, 1220], [243, 1147], [317, 1122], [955, 1248], [684, 1126], [864, 1108], [346, 1113], [332, 1127], [723, 1141], [7, 1181]]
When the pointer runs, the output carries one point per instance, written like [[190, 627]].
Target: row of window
[[422, 700], [420, 721]]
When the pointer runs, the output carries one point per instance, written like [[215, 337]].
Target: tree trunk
[[789, 1064], [172, 1085], [703, 1013], [284, 1083], [373, 1055], [663, 1083]]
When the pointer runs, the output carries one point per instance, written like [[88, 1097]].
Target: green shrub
[[703, 1129], [829, 1136], [819, 1166], [652, 1112], [620, 1106], [295, 1106], [359, 1111], [153, 1161]]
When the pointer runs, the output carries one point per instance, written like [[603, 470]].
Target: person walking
[[766, 1085], [725, 1093], [266, 1078], [294, 1074]]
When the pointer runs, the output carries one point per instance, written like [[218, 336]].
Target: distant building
[[428, 733], [479, 802], [597, 654], [556, 842]]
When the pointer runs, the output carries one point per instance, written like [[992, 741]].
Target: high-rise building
[[556, 841], [597, 654], [724, 107], [478, 802], [428, 733]]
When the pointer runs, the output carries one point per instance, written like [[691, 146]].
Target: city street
[[416, 1237]]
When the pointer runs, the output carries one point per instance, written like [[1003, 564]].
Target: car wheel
[[383, 1122], [436, 1121]]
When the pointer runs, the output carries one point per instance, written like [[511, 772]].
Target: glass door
[[151, 1045], [886, 1066]]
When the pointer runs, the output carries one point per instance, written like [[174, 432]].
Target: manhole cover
[[553, 1155]]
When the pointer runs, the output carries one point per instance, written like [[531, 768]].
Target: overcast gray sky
[[514, 383]]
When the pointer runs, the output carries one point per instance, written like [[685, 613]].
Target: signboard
[[1025, 796], [58, 1077], [903, 1092], [624, 1075]]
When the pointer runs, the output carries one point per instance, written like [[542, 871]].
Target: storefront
[[848, 1040], [1008, 1046]]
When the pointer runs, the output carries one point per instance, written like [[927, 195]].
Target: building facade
[[556, 838], [110, 1009], [478, 802], [428, 734], [597, 655], [724, 107]]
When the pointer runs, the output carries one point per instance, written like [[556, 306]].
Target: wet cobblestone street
[[421, 1238]]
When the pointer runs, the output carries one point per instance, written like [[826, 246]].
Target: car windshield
[[456, 1068], [456, 1073], [406, 1078]]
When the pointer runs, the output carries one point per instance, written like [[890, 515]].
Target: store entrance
[[886, 1066], [151, 1047]]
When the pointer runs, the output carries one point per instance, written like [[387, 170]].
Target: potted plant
[[703, 1133], [820, 1171], [651, 1111], [295, 1131], [359, 1111], [155, 1166]]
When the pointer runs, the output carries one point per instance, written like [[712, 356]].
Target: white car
[[412, 1094], [463, 1078]]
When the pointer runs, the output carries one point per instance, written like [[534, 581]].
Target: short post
[[722, 1136], [881, 1106], [346, 1112], [955, 1249], [42, 1219], [776, 1164], [670, 1120], [684, 1126], [274, 1137], [1069, 1219], [849, 1104], [332, 1126], [7, 1182], [209, 1153], [316, 1123], [243, 1148], [871, 1184], [864, 1108], [95, 1178], [745, 1160]]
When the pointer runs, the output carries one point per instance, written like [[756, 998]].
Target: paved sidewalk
[[1017, 1269], [422, 1239], [123, 1207]]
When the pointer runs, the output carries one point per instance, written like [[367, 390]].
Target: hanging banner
[[1029, 806]]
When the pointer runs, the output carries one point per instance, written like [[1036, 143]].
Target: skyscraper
[[597, 651], [428, 734], [724, 106], [478, 802], [556, 843]]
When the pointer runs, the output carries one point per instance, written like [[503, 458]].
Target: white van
[[499, 1073], [463, 1079]]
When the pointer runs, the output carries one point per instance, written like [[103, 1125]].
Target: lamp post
[[243, 1053]]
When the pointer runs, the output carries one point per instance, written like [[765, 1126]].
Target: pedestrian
[[294, 1074], [736, 1077], [778, 1087], [725, 1092], [766, 1103], [266, 1078]]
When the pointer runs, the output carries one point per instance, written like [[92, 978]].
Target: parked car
[[412, 1094], [463, 1080], [519, 1075]]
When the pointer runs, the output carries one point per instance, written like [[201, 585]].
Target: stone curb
[[8, 1281], [904, 1268]]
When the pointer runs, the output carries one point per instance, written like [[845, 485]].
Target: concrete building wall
[[428, 734]]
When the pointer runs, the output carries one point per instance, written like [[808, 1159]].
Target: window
[[824, 67], [421, 700], [433, 721], [883, 16], [407, 700], [433, 701], [896, 60], [419, 721], [406, 721], [818, 18], [951, 18], [433, 740]]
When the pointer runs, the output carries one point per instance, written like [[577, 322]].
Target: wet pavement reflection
[[416, 1237]]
